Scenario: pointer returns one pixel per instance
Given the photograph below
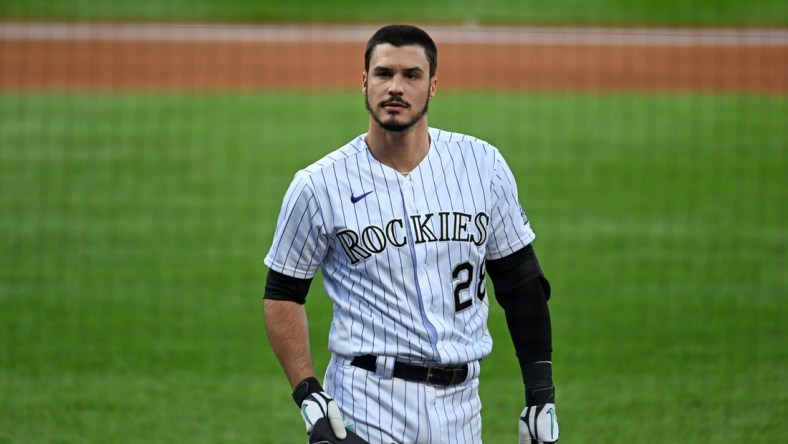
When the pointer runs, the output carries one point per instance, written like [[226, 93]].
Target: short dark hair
[[403, 35]]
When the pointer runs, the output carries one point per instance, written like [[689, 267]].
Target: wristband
[[538, 377], [544, 395], [305, 388]]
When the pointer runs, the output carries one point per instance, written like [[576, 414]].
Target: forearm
[[288, 333], [523, 292], [528, 319]]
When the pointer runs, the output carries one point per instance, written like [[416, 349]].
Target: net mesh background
[[145, 152]]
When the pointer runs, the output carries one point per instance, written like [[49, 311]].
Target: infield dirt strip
[[246, 57]]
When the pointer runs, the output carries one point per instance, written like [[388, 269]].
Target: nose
[[396, 86]]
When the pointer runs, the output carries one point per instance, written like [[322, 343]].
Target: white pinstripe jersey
[[403, 256]]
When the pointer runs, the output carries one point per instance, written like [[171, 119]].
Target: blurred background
[[145, 148]]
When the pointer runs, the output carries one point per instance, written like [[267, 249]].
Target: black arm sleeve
[[280, 287], [522, 290]]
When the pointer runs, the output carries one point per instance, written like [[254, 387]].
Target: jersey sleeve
[[510, 229], [300, 242]]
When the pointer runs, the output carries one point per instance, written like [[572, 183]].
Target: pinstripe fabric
[[390, 410], [403, 262], [390, 260]]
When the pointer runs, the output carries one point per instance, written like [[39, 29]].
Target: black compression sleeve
[[511, 271], [528, 318], [280, 287], [522, 290]]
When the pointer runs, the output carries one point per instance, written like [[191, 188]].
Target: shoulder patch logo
[[522, 214]]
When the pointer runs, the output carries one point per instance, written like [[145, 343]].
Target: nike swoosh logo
[[354, 199], [551, 412]]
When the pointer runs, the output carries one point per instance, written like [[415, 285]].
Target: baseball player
[[406, 221]]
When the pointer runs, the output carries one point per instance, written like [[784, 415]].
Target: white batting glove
[[538, 422], [316, 404]]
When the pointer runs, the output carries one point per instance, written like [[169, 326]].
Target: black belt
[[444, 375]]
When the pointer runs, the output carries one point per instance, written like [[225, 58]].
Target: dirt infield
[[553, 62]]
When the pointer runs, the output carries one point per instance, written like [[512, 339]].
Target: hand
[[320, 405], [316, 404], [539, 424]]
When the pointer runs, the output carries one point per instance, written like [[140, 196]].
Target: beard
[[392, 124]]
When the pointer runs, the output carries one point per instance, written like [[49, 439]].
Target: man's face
[[398, 87]]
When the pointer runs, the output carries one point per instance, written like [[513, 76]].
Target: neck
[[402, 151]]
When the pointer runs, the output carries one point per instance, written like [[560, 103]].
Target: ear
[[433, 86], [364, 82]]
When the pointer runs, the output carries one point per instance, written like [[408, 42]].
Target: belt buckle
[[444, 382], [430, 375]]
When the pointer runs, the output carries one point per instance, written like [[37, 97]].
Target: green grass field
[[604, 12], [133, 226]]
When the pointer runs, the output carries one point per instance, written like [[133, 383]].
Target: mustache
[[395, 99]]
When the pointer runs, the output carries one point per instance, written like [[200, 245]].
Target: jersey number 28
[[463, 274]]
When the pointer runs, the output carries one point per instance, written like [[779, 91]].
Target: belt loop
[[384, 367], [474, 369]]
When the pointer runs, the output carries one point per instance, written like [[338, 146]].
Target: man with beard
[[405, 222]]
